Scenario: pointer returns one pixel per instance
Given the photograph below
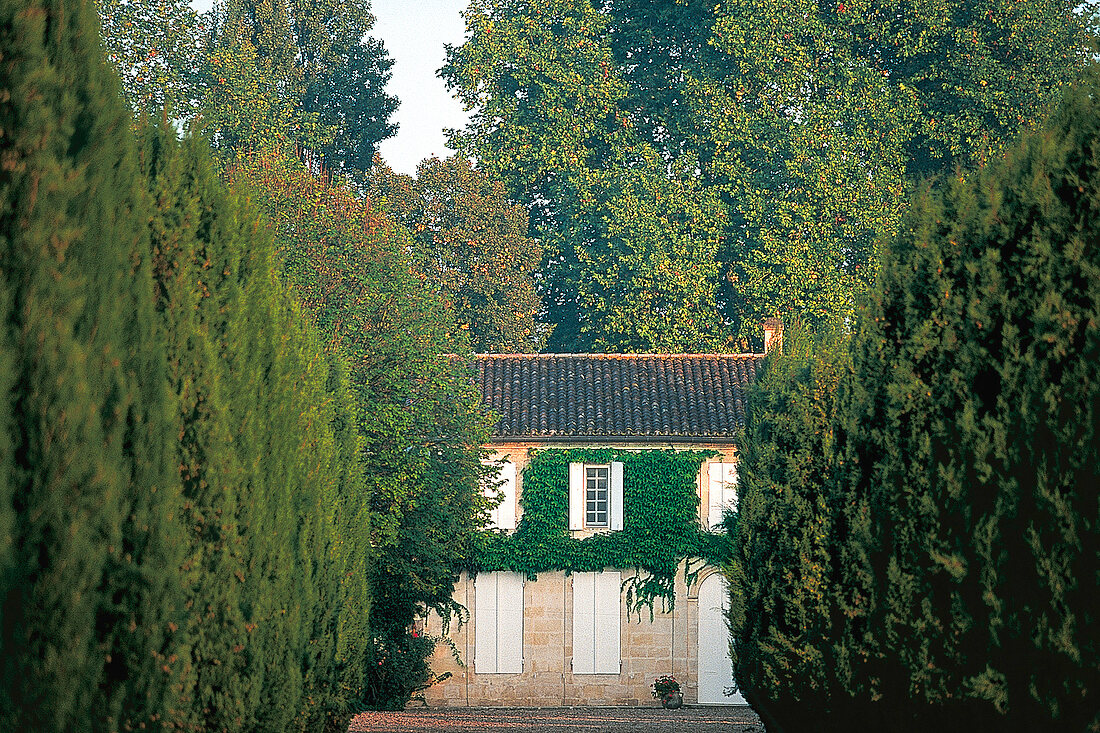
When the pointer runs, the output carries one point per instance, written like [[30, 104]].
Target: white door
[[715, 668]]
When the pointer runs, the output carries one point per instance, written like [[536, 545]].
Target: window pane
[[596, 496]]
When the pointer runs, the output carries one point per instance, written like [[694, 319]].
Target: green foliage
[[953, 475], [156, 46], [209, 470], [187, 543], [660, 522], [972, 439], [273, 496], [300, 70], [89, 552], [259, 71], [399, 667], [692, 168], [418, 411], [629, 243], [471, 242], [825, 115], [784, 577]]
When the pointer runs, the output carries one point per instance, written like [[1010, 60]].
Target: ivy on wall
[[660, 523]]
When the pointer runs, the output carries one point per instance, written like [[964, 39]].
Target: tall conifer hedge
[[974, 444], [784, 563], [90, 549], [274, 499], [959, 473], [184, 528]]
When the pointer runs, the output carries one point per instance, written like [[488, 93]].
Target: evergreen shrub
[[784, 569], [973, 449], [89, 554], [953, 475]]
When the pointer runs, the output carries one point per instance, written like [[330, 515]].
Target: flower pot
[[672, 700]]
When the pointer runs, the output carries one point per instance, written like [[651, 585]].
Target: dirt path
[[561, 720]]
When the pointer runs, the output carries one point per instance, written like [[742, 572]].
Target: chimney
[[773, 334]]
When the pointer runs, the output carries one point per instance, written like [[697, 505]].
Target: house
[[571, 636]]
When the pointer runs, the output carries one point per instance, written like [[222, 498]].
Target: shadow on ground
[[561, 720]]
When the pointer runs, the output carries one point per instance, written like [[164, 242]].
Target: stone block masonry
[[667, 643]]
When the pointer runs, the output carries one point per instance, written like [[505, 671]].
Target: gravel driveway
[[561, 720]]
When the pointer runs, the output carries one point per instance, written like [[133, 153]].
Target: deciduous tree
[[315, 63], [419, 414], [472, 243], [797, 128], [157, 47]]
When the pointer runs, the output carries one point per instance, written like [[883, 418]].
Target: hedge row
[[917, 545], [183, 541]]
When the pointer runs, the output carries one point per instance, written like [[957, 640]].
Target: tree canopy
[[471, 242], [418, 411], [259, 71], [743, 157]]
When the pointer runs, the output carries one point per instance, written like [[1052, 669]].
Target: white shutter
[[616, 498], [509, 622], [498, 623], [723, 490], [596, 623], [485, 623], [584, 623], [716, 473], [505, 513], [608, 621], [729, 498], [576, 496]]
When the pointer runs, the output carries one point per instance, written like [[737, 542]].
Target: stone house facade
[[566, 638]]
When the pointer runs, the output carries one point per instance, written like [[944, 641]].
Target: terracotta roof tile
[[540, 396]]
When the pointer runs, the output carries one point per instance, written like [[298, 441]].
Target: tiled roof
[[629, 396]]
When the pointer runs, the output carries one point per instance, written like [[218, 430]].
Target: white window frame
[[597, 622], [722, 479], [498, 623], [597, 496], [578, 482]]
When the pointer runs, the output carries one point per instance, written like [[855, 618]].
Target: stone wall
[[665, 644]]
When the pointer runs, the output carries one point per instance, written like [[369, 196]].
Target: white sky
[[414, 32]]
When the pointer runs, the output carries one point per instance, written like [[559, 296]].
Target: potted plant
[[667, 690]]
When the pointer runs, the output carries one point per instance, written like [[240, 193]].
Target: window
[[498, 623], [503, 515], [723, 490], [596, 623], [596, 489], [596, 496]]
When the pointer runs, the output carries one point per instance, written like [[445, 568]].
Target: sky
[[414, 32]]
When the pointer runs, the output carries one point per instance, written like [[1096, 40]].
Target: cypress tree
[[90, 576], [270, 472], [785, 568], [973, 445], [193, 245]]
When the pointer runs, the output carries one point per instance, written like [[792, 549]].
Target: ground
[[561, 720]]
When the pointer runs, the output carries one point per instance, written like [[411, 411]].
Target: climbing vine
[[660, 523]]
